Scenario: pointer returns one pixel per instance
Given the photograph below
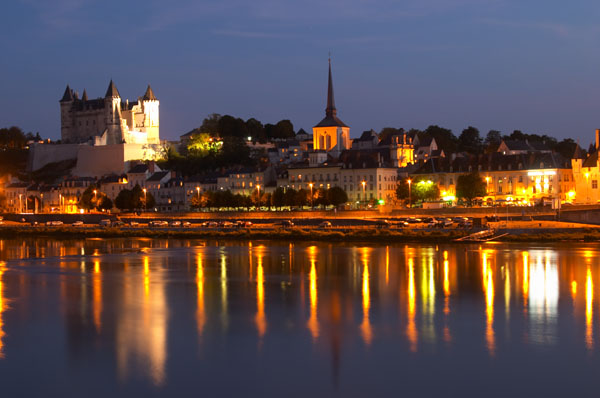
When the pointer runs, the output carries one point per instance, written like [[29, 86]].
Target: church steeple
[[330, 111]]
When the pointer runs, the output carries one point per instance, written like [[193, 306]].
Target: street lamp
[[312, 207], [145, 203], [198, 191], [258, 194], [95, 199], [20, 204], [409, 194], [364, 185]]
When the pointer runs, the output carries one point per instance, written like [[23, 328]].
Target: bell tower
[[331, 134]]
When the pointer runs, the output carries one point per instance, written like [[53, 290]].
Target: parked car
[[226, 224], [105, 223], [54, 223], [118, 223], [77, 224], [325, 224], [186, 224], [133, 223], [244, 224], [210, 224], [175, 223], [158, 223]]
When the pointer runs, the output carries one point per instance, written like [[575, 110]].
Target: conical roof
[[112, 91], [84, 97], [149, 95], [68, 95], [578, 154]]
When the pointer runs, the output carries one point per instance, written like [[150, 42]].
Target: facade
[[331, 134], [109, 120], [586, 173], [523, 179]]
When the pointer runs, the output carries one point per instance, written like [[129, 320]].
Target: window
[[379, 178], [594, 184], [371, 178], [520, 178], [370, 187]]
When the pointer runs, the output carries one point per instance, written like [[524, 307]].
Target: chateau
[[109, 120]]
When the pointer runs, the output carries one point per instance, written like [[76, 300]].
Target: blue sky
[[529, 65]]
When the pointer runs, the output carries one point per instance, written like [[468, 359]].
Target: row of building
[[367, 168]]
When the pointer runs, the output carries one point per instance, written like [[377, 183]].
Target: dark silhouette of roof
[[84, 97], [112, 91], [331, 119], [367, 136], [495, 161], [149, 95], [591, 160], [139, 169], [578, 153], [159, 175], [68, 95]]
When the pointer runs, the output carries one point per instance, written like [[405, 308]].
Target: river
[[151, 317]]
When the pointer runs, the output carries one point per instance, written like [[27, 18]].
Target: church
[[331, 134]]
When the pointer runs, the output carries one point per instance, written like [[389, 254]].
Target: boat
[[481, 236]]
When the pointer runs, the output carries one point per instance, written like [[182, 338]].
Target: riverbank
[[302, 234]]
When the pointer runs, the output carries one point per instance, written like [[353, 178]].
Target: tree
[[469, 140], [492, 141], [90, 200], [444, 138], [141, 200], [470, 186], [278, 198], [105, 203], [424, 190], [566, 147], [402, 189], [284, 129], [256, 130], [337, 196], [210, 125], [123, 201]]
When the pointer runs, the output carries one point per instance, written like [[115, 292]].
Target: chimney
[[597, 138], [151, 166]]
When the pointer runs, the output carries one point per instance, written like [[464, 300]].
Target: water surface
[[142, 317]]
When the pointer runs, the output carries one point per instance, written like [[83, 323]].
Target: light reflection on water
[[143, 313]]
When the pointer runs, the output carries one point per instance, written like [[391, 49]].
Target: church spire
[[84, 97], [330, 111]]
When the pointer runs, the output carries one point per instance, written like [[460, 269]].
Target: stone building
[[109, 120]]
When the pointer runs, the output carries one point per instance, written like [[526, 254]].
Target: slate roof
[[112, 91], [139, 169], [494, 162]]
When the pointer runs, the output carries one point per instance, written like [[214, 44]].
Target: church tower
[[331, 134]]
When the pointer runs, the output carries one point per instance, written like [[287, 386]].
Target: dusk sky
[[493, 64]]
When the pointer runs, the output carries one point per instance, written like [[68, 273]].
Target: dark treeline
[[470, 140], [13, 149], [278, 199], [233, 132]]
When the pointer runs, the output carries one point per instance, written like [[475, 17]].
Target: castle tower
[[112, 100], [66, 120], [331, 134], [150, 109]]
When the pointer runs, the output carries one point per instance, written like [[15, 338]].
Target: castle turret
[[150, 108], [112, 100], [66, 120]]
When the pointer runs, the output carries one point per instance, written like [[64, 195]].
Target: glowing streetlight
[[258, 194], [20, 204], [145, 203], [364, 185], [95, 199], [409, 193], [311, 196]]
